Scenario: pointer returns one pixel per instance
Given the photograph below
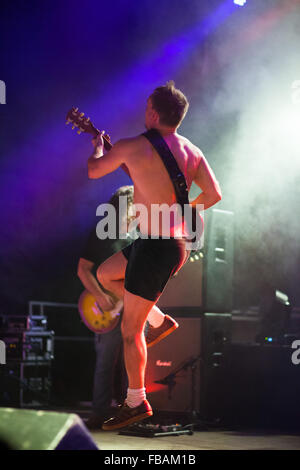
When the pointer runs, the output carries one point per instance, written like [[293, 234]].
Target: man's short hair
[[170, 104]]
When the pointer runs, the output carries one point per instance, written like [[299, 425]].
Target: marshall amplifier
[[185, 368], [205, 282]]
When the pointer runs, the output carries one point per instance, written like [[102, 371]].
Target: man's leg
[[136, 310], [136, 407], [111, 274]]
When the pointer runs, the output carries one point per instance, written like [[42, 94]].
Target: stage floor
[[201, 440]]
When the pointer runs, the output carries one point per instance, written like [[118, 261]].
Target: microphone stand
[[170, 381]]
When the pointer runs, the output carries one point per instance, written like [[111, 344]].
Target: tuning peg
[[73, 127], [79, 131]]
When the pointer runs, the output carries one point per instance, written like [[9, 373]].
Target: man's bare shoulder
[[190, 146], [129, 143]]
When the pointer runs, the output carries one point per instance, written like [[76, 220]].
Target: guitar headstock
[[83, 124]]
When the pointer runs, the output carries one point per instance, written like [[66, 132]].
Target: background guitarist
[[110, 381]]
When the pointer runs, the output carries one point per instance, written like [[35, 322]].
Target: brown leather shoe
[[126, 415], [94, 422], [154, 335]]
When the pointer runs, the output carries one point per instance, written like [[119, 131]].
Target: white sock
[[135, 396], [155, 317]]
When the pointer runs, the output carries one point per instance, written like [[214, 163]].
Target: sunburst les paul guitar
[[97, 320]]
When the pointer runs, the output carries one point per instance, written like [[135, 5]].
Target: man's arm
[[100, 165], [206, 180], [85, 274]]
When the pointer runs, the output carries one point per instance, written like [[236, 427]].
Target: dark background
[[237, 67]]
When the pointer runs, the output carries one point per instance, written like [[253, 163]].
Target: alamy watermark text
[[154, 221], [2, 352], [2, 92]]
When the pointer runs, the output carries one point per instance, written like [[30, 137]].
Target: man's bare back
[[152, 184]]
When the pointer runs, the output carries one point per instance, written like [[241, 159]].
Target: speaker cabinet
[[183, 368], [25, 383], [43, 430], [74, 354], [166, 359], [205, 282], [263, 386], [73, 370]]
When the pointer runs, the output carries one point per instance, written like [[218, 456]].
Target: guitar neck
[[85, 125], [107, 144]]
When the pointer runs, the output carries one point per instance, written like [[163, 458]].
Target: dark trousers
[[110, 379]]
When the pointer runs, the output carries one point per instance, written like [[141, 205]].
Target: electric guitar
[[84, 124], [97, 320]]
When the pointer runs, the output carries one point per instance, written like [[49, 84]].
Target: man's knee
[[100, 273], [84, 267], [129, 333]]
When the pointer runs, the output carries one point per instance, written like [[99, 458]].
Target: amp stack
[[187, 372], [25, 370]]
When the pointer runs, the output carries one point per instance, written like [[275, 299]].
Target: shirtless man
[[139, 273]]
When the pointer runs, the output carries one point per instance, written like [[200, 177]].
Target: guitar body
[[94, 318]]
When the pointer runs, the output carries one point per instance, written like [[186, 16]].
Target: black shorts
[[151, 263]]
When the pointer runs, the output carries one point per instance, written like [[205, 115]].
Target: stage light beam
[[240, 3]]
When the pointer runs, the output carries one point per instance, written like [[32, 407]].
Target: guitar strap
[[172, 168], [171, 165]]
